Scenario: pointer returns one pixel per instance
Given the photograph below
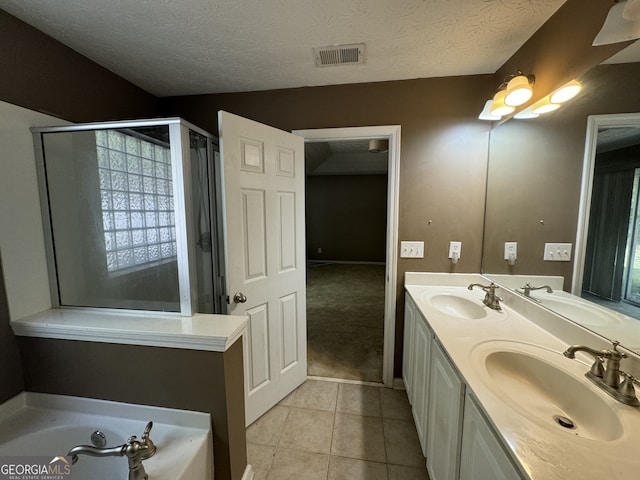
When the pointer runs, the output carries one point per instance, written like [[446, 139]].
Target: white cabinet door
[[421, 357], [407, 347], [482, 454], [264, 223], [446, 398]]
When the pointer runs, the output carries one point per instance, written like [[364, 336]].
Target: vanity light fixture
[[498, 106], [552, 101], [514, 91], [526, 114], [485, 114], [566, 92], [622, 23], [519, 89], [544, 105]]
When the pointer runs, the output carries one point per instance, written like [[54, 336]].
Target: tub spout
[[95, 452]]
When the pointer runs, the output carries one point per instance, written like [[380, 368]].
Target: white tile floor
[[328, 430]]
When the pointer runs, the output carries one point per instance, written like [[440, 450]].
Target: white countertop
[[544, 453], [214, 333]]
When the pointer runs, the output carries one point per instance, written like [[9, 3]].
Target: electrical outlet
[[411, 249], [510, 250], [455, 248], [557, 252]]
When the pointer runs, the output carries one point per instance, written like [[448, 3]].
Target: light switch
[[411, 249], [557, 252]]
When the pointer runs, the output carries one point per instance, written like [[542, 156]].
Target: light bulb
[[544, 106], [518, 91], [486, 112], [526, 114], [498, 106], [566, 92]]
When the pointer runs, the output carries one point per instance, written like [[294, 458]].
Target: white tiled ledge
[[215, 333]]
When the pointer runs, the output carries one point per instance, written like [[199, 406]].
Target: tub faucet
[[135, 450], [527, 289], [491, 300], [607, 377]]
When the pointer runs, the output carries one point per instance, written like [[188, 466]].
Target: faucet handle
[[150, 447], [147, 430], [597, 369], [615, 344], [626, 387]]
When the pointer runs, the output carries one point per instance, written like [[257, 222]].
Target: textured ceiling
[[614, 138], [182, 47], [343, 157]]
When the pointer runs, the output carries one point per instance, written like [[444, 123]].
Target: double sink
[[539, 396], [537, 382]]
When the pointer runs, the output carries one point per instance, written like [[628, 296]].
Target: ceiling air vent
[[339, 55]]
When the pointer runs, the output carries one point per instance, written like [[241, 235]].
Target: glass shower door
[[131, 216]]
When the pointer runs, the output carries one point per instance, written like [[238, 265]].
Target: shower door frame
[[182, 193]]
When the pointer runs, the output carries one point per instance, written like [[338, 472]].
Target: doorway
[[608, 266], [362, 270], [346, 223]]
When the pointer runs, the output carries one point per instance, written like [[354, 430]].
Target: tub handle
[[149, 446]]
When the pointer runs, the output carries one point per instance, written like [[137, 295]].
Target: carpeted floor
[[345, 321]]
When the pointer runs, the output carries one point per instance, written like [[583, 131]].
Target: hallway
[[328, 430], [345, 321]]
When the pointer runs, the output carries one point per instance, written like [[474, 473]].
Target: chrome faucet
[[491, 300], [135, 450], [527, 289], [607, 377]]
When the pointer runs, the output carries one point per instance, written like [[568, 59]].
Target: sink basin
[[534, 381], [457, 306], [584, 314]]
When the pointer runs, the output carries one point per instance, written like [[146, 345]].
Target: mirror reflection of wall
[[535, 174]]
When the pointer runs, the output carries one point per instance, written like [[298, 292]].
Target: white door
[[263, 171]]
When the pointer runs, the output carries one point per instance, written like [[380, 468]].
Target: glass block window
[[137, 200]]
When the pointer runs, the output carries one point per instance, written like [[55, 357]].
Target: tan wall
[[11, 382], [535, 170], [42, 74], [443, 152], [209, 382], [346, 217]]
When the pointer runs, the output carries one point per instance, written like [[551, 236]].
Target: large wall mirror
[[535, 195]]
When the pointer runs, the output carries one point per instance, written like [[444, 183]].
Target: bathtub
[[50, 425]]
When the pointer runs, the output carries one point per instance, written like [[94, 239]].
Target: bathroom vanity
[[494, 397]]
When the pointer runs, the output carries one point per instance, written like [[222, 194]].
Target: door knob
[[239, 297]]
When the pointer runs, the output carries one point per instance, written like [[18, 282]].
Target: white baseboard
[[319, 263], [248, 473]]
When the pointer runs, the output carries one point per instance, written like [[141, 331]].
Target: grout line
[[345, 380], [333, 427], [335, 412]]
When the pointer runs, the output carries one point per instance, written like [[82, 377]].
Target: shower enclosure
[[131, 213]]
